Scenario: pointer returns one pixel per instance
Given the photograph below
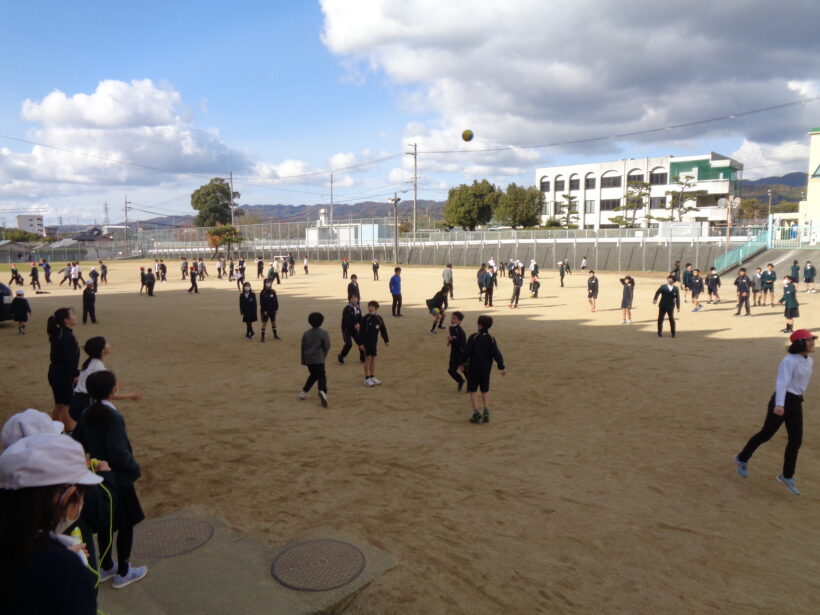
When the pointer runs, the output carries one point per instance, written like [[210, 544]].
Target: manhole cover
[[318, 565], [170, 537]]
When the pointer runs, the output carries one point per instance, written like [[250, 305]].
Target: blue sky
[[282, 88]]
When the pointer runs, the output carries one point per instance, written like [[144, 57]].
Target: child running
[[372, 326], [627, 298], [592, 291], [457, 341], [20, 309], [315, 346], [785, 406], [351, 327], [789, 299], [479, 353]]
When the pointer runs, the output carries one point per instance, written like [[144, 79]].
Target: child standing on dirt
[[713, 286], [592, 290], [20, 309], [457, 341], [477, 360], [372, 326]]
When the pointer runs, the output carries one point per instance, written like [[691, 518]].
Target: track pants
[[347, 336], [396, 309], [453, 369], [793, 417], [662, 311], [515, 295], [317, 374]]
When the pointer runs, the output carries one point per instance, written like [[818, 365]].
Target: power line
[[636, 133]]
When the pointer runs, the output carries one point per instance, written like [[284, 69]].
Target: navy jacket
[[372, 326], [744, 284], [247, 307], [351, 316], [353, 291], [670, 298], [65, 354], [268, 301], [107, 439], [458, 341], [480, 352], [20, 309]]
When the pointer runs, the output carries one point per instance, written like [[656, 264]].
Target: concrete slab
[[232, 574]]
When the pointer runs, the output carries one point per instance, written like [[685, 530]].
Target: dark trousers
[[150, 288], [344, 273], [662, 311], [194, 288], [793, 417], [89, 312], [184, 274], [562, 281], [317, 374], [396, 309], [347, 336], [488, 296], [515, 295], [449, 289], [125, 540], [743, 301], [453, 369]]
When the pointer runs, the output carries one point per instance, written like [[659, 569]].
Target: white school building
[[601, 187]]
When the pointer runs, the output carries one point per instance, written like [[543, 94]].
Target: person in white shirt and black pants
[[785, 406]]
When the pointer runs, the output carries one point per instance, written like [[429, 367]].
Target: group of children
[[487, 280]]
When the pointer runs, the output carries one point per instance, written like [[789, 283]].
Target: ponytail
[[94, 348]]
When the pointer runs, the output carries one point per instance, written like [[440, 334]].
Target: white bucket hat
[[43, 460], [28, 423]]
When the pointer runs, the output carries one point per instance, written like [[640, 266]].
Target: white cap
[[28, 423], [43, 460], [20, 293], [89, 282]]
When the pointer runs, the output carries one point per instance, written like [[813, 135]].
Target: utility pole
[[415, 155], [106, 221], [331, 207], [233, 218], [125, 208], [395, 200]]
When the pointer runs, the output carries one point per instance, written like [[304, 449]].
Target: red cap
[[802, 334]]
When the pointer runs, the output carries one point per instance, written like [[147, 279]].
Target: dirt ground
[[603, 484]]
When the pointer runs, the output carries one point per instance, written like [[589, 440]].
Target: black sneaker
[[486, 416], [476, 417], [276, 336], [262, 339], [340, 360], [460, 386]]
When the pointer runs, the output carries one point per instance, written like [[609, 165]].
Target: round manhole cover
[[170, 537], [318, 565]]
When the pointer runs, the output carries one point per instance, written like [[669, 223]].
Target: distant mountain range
[[785, 188]]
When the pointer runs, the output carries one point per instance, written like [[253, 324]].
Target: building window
[[589, 207], [658, 179], [545, 185], [610, 204], [589, 183], [634, 177], [613, 181], [559, 185], [657, 201], [575, 184], [545, 209]]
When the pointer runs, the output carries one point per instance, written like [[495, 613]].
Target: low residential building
[[810, 207], [600, 188]]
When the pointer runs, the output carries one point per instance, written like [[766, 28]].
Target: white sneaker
[[375, 380], [369, 382], [629, 322], [302, 395], [323, 398], [134, 574], [107, 575]]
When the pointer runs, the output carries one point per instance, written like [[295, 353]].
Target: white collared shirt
[[793, 376]]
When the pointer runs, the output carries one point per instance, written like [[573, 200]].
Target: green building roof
[[815, 129]]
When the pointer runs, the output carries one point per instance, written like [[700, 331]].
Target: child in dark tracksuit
[[315, 346], [20, 309], [247, 307], [89, 303], [372, 326], [351, 326], [477, 360], [268, 306], [457, 341]]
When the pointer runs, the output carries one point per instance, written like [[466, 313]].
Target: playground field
[[603, 484]]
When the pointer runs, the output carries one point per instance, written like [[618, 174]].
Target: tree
[[213, 202], [636, 197], [223, 235], [469, 206], [751, 209], [519, 206], [569, 211], [14, 234], [679, 197]]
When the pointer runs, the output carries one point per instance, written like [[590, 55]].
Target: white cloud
[[533, 72], [761, 160]]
